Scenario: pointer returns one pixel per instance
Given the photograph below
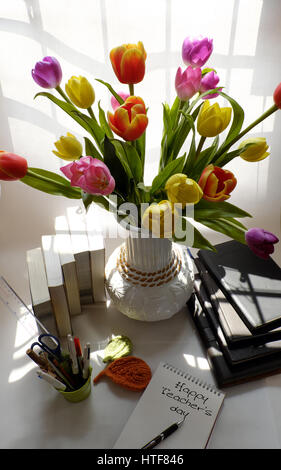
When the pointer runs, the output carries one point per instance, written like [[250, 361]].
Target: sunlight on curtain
[[81, 34]]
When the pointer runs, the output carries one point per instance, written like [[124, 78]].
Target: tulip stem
[[180, 108], [245, 131], [90, 111], [131, 88], [200, 145], [61, 92]]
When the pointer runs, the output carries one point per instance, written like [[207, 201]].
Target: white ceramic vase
[[149, 279]]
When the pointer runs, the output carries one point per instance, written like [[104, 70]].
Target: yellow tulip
[[160, 219], [212, 119], [255, 152], [80, 91], [68, 148], [184, 190]]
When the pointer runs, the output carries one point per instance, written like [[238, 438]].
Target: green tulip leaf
[[205, 209], [133, 160], [88, 123], [237, 122], [174, 111], [204, 159], [192, 238], [50, 183], [140, 145], [101, 201], [91, 150], [179, 136], [227, 157], [175, 166], [227, 226], [118, 97], [68, 108], [116, 167], [95, 130], [130, 160], [103, 122]]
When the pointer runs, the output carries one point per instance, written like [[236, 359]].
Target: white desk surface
[[35, 416]]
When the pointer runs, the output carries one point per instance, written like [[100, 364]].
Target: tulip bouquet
[[109, 170]]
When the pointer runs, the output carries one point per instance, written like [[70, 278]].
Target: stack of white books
[[67, 270]]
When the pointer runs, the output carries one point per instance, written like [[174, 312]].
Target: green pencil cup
[[81, 393]]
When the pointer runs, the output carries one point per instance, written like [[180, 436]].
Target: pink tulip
[[209, 82], [114, 103], [91, 175], [196, 51], [187, 83]]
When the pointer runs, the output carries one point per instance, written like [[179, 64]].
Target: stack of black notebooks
[[236, 307]]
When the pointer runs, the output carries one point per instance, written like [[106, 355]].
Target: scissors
[[54, 351]]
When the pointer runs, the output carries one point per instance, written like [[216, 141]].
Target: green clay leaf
[[117, 347]]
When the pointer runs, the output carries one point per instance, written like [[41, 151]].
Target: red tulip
[[277, 96], [216, 183], [128, 62], [129, 120], [12, 166]]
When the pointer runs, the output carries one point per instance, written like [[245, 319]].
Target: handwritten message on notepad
[[171, 395]]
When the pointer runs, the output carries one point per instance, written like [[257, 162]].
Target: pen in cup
[[86, 360], [51, 380], [72, 352], [78, 353]]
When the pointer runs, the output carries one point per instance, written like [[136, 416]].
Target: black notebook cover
[[235, 332], [224, 374], [245, 354], [251, 284]]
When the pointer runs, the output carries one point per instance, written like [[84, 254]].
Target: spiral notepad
[[171, 395]]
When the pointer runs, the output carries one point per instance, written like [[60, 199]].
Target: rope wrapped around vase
[[148, 279]]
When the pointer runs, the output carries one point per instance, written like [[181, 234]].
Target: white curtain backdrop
[[80, 34]]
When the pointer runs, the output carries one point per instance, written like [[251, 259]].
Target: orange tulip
[[129, 120], [128, 62], [216, 183]]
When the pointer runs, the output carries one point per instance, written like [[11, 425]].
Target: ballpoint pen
[[73, 357], [51, 380], [167, 432], [86, 360], [78, 352]]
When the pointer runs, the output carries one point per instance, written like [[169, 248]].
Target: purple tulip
[[47, 73], [261, 242], [196, 51], [91, 175], [209, 82], [187, 83]]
